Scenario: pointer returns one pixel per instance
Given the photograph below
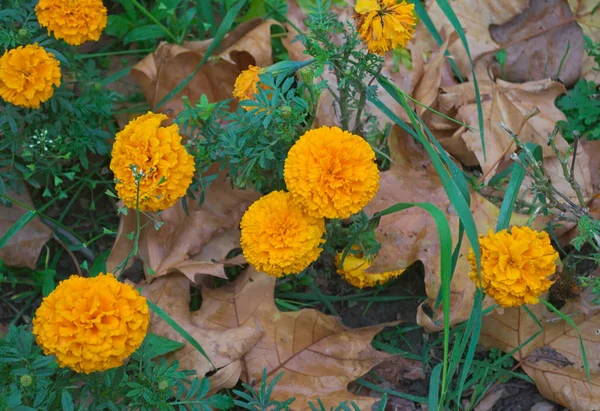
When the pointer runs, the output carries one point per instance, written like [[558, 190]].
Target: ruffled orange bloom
[[152, 156], [75, 21], [247, 84], [331, 173], [28, 76], [91, 324], [385, 24], [515, 265], [354, 271], [278, 237]]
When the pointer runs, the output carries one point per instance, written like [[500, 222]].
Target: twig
[[85, 251], [59, 241]]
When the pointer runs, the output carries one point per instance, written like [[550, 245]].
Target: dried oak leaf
[[411, 235], [542, 38], [512, 104], [163, 70], [194, 244], [553, 359], [224, 346], [318, 355], [25, 246]]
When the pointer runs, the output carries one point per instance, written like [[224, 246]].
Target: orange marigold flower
[[28, 76], [278, 237], [385, 24], [331, 173], [153, 156], [91, 324], [354, 271], [75, 21], [247, 83], [515, 265]]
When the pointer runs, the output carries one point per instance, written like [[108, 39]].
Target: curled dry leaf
[[224, 346], [254, 48], [193, 244], [318, 355], [411, 235], [551, 27], [512, 104], [25, 246], [553, 359], [160, 72]]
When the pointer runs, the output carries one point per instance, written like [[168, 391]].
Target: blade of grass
[[323, 300], [445, 237], [205, 15], [16, 227], [377, 388], [514, 185], [449, 12], [153, 19], [167, 318], [434, 388], [426, 20], [474, 340], [453, 191], [223, 29], [570, 321]]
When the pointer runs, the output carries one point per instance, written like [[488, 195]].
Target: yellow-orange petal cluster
[[354, 271], [247, 83], [152, 155], [331, 173], [515, 265], [28, 75], [91, 324], [278, 237], [385, 24], [74, 21]]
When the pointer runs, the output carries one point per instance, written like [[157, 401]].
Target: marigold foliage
[[385, 24], [278, 237], [91, 324], [28, 75], [152, 155], [246, 84], [331, 173], [74, 21], [515, 265], [354, 271]]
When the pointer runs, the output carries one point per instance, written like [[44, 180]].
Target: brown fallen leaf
[[550, 27], [553, 359], [253, 48], [412, 235], [318, 355], [225, 347], [587, 15], [512, 104], [160, 72], [25, 246], [435, 72], [194, 244]]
